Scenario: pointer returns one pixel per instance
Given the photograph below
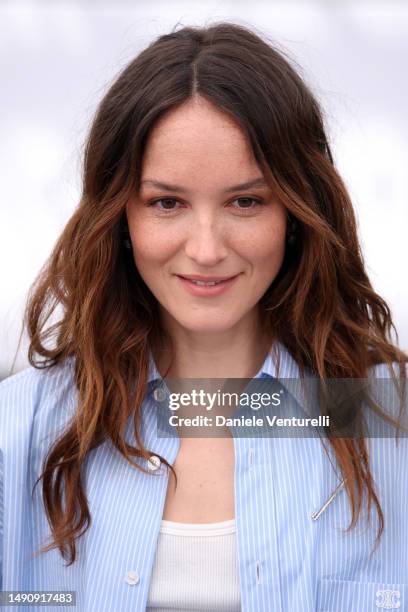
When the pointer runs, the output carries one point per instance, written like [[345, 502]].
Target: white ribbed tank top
[[195, 568]]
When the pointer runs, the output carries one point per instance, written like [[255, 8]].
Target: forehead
[[198, 141]]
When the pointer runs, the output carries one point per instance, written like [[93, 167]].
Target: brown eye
[[167, 204], [247, 203]]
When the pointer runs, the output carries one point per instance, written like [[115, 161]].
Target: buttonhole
[[258, 572]]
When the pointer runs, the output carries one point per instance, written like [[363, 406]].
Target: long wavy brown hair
[[321, 305]]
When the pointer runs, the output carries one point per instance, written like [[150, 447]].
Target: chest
[[205, 482]]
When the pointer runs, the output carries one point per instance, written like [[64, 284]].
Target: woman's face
[[194, 215]]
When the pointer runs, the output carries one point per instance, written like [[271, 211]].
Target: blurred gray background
[[58, 58]]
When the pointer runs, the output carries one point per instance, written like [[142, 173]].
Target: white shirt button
[[159, 394], [154, 463], [132, 578]]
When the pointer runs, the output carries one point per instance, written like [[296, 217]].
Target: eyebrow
[[257, 182]]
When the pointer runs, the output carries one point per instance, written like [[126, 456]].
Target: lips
[[205, 279], [207, 288]]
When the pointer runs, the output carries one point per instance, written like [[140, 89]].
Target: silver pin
[[317, 514]]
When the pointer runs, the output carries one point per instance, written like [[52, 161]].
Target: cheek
[[265, 247], [152, 245], [272, 250]]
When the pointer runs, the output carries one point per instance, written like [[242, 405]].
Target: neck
[[235, 353]]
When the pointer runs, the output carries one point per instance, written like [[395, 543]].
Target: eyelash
[[167, 211]]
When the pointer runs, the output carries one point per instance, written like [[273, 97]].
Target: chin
[[207, 326]]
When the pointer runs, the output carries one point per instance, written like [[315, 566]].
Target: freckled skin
[[209, 232]]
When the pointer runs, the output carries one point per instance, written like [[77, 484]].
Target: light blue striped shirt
[[287, 561]]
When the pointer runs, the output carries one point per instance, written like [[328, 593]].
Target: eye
[[247, 201], [166, 202]]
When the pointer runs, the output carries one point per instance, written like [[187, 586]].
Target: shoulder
[[387, 391], [386, 380], [386, 370], [32, 377], [34, 396], [27, 388]]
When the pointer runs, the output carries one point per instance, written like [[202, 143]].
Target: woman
[[207, 161]]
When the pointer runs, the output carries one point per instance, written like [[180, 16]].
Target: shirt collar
[[154, 373], [278, 364]]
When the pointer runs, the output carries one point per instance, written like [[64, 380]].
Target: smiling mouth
[[207, 288], [204, 283], [207, 283]]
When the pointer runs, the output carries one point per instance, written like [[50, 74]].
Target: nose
[[206, 243]]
